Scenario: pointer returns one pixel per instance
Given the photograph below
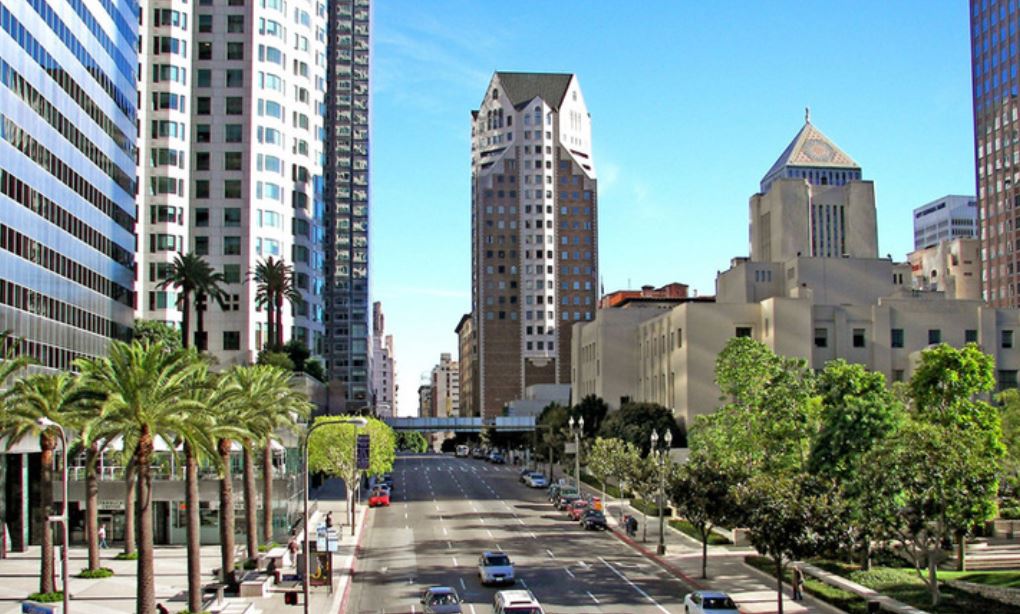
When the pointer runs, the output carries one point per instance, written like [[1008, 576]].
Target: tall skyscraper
[[994, 60], [230, 162], [347, 212], [384, 366], [67, 175], [534, 223]]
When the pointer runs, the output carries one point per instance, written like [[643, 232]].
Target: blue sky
[[691, 103]]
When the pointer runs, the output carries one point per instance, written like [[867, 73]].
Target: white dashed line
[[455, 562], [569, 573], [589, 594], [550, 553], [633, 586]]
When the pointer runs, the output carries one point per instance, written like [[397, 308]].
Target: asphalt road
[[447, 511]]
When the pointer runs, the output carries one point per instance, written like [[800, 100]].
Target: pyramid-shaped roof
[[523, 87], [811, 148]]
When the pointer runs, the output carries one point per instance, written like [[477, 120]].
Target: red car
[[379, 498], [577, 509]]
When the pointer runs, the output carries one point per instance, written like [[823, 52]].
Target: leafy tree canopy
[[276, 359], [331, 448], [593, 410], [152, 331], [634, 423]]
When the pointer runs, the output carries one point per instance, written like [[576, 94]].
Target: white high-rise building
[[944, 219], [384, 366], [230, 159]]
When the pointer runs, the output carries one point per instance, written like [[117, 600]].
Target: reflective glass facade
[[67, 180]]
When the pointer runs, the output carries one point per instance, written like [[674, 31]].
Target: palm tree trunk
[[279, 319], [270, 324], [200, 322], [146, 601], [92, 505], [47, 443], [194, 523], [267, 492], [130, 481], [185, 316], [226, 514], [251, 525]]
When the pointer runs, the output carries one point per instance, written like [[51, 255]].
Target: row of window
[[538, 315], [20, 297], [43, 354], [18, 244], [21, 192], [45, 109], [66, 35], [38, 52], [57, 167]]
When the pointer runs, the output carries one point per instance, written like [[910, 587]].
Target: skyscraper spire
[[807, 115]]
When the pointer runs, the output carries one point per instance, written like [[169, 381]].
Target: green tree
[[701, 492], [191, 275], [145, 391], [552, 426], [593, 409], [611, 458], [634, 423], [791, 517], [274, 281], [280, 360], [43, 397], [95, 435], [151, 331], [643, 478], [1009, 412], [331, 450], [412, 441]]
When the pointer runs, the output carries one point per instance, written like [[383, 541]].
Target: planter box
[[1005, 528]]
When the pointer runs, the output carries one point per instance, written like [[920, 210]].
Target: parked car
[[388, 480], [477, 453], [516, 602], [709, 602], [496, 458], [495, 568], [523, 476], [593, 519], [440, 600], [576, 509], [536, 480], [566, 500], [379, 497]]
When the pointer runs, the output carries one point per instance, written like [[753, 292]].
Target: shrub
[[714, 539], [53, 597], [95, 574], [127, 556], [249, 564], [268, 547], [651, 508]]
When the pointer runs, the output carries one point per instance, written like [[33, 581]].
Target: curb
[[658, 560], [342, 606]]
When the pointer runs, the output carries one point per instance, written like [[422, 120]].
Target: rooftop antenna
[[807, 115]]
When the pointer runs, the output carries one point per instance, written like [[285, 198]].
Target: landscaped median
[[901, 584]]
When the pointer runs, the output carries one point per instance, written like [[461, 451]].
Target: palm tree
[[146, 396], [271, 404], [191, 274], [53, 397], [11, 363], [274, 281], [96, 436]]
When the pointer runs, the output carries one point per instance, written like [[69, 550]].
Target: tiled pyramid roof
[[811, 148], [523, 87]]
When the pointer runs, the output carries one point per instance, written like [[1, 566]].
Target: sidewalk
[[753, 591], [19, 576]]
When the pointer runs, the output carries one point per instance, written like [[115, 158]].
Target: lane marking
[[550, 553], [455, 562], [569, 573], [449, 545], [445, 532], [523, 583], [592, 597], [472, 607], [463, 586], [533, 536], [489, 532], [633, 586]]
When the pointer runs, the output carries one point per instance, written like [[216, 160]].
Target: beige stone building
[[953, 267], [467, 345], [445, 381], [813, 287]]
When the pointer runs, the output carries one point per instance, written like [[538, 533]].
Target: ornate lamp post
[[46, 423], [359, 421], [661, 456], [579, 424]]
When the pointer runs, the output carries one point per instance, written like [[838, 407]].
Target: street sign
[[361, 457], [332, 539]]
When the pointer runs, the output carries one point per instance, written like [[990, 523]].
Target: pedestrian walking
[[329, 519], [102, 536], [798, 583]]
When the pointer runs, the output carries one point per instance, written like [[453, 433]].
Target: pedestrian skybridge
[[463, 425]]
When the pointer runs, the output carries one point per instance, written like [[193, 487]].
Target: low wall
[[1005, 528], [1009, 596]]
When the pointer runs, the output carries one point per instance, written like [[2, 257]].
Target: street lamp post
[[577, 448], [46, 423], [359, 421], [661, 458]]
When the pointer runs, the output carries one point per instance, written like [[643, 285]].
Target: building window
[[679, 337], [821, 338], [231, 246], [205, 24], [235, 24], [897, 375], [896, 337], [934, 336], [232, 217], [232, 188], [232, 273], [231, 340], [858, 337], [1007, 339], [1006, 379], [742, 331], [235, 77], [232, 160], [233, 133], [202, 161], [202, 246], [234, 105], [203, 105], [235, 51], [970, 335]]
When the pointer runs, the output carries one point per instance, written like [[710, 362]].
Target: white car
[[536, 480], [495, 568], [516, 602], [709, 602]]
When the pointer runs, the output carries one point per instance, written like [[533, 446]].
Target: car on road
[[495, 567], [566, 500], [388, 481], [576, 509], [594, 519], [379, 497], [440, 600], [536, 480], [558, 490], [462, 451], [516, 602], [709, 602], [478, 453], [496, 458], [523, 475]]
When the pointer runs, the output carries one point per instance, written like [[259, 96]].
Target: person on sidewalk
[[798, 583], [329, 519], [102, 536], [632, 526]]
